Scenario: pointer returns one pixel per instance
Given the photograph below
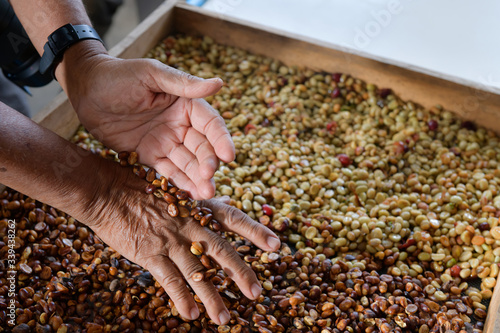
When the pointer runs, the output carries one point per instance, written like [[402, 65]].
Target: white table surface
[[457, 39]]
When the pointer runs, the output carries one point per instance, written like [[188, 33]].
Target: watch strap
[[60, 40]]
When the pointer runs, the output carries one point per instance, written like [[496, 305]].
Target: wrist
[[93, 196], [78, 61], [78, 185], [112, 191]]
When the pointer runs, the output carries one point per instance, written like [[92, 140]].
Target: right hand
[[155, 110], [138, 226]]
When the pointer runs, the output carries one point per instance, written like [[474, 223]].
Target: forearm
[[40, 164], [42, 17]]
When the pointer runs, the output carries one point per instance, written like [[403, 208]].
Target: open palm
[[145, 106]]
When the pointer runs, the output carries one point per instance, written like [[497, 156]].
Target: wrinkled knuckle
[[221, 248], [183, 298], [174, 286], [203, 147], [146, 262], [175, 248], [255, 229], [139, 244], [189, 77], [248, 225], [170, 231], [190, 166], [190, 268], [218, 122], [233, 216], [243, 272], [156, 64]]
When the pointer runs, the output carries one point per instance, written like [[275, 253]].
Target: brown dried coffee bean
[[158, 193], [164, 184], [205, 220], [25, 269], [198, 276], [139, 171], [150, 189], [480, 313], [461, 307], [210, 273], [21, 328], [181, 195], [46, 273], [123, 155], [169, 198], [172, 323], [206, 210], [244, 249], [284, 303], [393, 310], [206, 262], [195, 211], [40, 226], [386, 328], [40, 215], [183, 211], [132, 158], [13, 205], [172, 210], [151, 175], [433, 306], [197, 249], [411, 309], [184, 202], [215, 226], [345, 305]]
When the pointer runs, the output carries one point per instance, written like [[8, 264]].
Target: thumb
[[178, 83]]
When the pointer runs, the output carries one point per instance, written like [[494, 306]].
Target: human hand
[[145, 106], [138, 226]]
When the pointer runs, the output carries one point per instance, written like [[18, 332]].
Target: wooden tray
[[464, 99]]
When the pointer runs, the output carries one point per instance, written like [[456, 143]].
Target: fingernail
[[224, 317], [215, 79], [195, 313], [256, 290], [273, 242]]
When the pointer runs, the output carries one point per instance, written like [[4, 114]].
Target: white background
[[454, 38]]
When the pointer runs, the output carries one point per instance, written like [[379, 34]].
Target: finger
[[166, 168], [208, 122], [189, 265], [174, 284], [225, 255], [225, 199], [173, 160], [187, 163], [198, 144], [236, 221], [176, 82]]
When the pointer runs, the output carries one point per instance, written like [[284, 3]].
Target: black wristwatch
[[60, 40]]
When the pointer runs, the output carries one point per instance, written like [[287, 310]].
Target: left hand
[[142, 231], [145, 106]]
